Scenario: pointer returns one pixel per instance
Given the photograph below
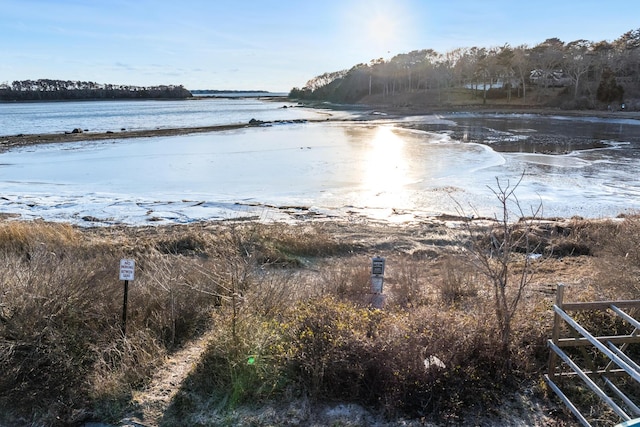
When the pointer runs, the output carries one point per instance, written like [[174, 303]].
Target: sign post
[[377, 281], [127, 272]]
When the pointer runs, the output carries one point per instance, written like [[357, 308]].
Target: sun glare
[[382, 30], [385, 173], [380, 27]]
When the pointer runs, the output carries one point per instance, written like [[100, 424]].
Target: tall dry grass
[[617, 249], [288, 313], [62, 352]]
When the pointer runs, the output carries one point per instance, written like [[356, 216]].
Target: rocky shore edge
[[76, 135], [366, 112]]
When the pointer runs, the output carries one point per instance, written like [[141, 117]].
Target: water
[[102, 116], [364, 169]]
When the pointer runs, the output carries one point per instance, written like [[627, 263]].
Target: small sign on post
[[127, 272], [127, 269], [377, 281]]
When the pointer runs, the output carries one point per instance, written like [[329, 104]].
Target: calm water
[[372, 169], [102, 116]]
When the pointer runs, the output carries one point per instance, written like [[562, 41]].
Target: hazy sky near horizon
[[271, 44]]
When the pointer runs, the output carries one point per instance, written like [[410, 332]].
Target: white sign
[[127, 268]]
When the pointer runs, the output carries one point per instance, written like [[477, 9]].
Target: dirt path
[[151, 403]]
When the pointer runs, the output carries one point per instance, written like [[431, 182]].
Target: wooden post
[[124, 308], [555, 336], [127, 272]]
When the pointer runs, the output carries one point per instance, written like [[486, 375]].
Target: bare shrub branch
[[502, 251]]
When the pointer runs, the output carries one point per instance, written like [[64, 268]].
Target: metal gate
[[604, 364]]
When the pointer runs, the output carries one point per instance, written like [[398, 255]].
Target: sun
[[382, 30], [378, 26]]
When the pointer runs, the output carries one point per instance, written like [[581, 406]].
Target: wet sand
[[21, 140], [548, 146]]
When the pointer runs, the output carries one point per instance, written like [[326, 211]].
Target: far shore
[[368, 112]]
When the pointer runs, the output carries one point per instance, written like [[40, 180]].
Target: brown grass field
[[243, 323]]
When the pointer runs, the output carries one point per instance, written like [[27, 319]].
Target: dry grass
[[288, 311]]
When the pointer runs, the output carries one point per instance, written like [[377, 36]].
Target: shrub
[[458, 280], [388, 359], [289, 246], [349, 280]]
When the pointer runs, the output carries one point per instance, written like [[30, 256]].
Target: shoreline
[[20, 140], [361, 115]]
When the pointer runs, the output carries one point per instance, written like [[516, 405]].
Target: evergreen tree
[[609, 90]]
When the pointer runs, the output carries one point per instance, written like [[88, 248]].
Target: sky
[[272, 45]]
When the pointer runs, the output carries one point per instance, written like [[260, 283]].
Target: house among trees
[[553, 78], [577, 75]]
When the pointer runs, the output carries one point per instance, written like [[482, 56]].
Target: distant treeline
[[222, 92], [51, 90], [578, 74]]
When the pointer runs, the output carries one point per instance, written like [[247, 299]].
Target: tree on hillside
[[505, 62], [609, 90], [552, 64], [48, 89], [522, 67], [482, 71], [577, 61], [605, 57], [548, 58], [629, 40], [425, 75], [324, 79]]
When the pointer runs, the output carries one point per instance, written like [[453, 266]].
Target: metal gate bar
[[606, 345]]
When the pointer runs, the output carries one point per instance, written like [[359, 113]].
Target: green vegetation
[[577, 75], [50, 90], [287, 316]]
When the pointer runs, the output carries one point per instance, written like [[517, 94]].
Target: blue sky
[[271, 44]]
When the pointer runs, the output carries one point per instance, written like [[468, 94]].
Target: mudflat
[[20, 140]]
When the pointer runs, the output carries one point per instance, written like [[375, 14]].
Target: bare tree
[[502, 252], [577, 62], [522, 67], [505, 61]]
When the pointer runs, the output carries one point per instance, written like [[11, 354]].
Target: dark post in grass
[[377, 280], [127, 268]]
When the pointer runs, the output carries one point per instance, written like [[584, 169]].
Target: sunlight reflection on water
[[367, 169], [386, 169]]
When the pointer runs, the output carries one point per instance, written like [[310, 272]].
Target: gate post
[[555, 336]]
